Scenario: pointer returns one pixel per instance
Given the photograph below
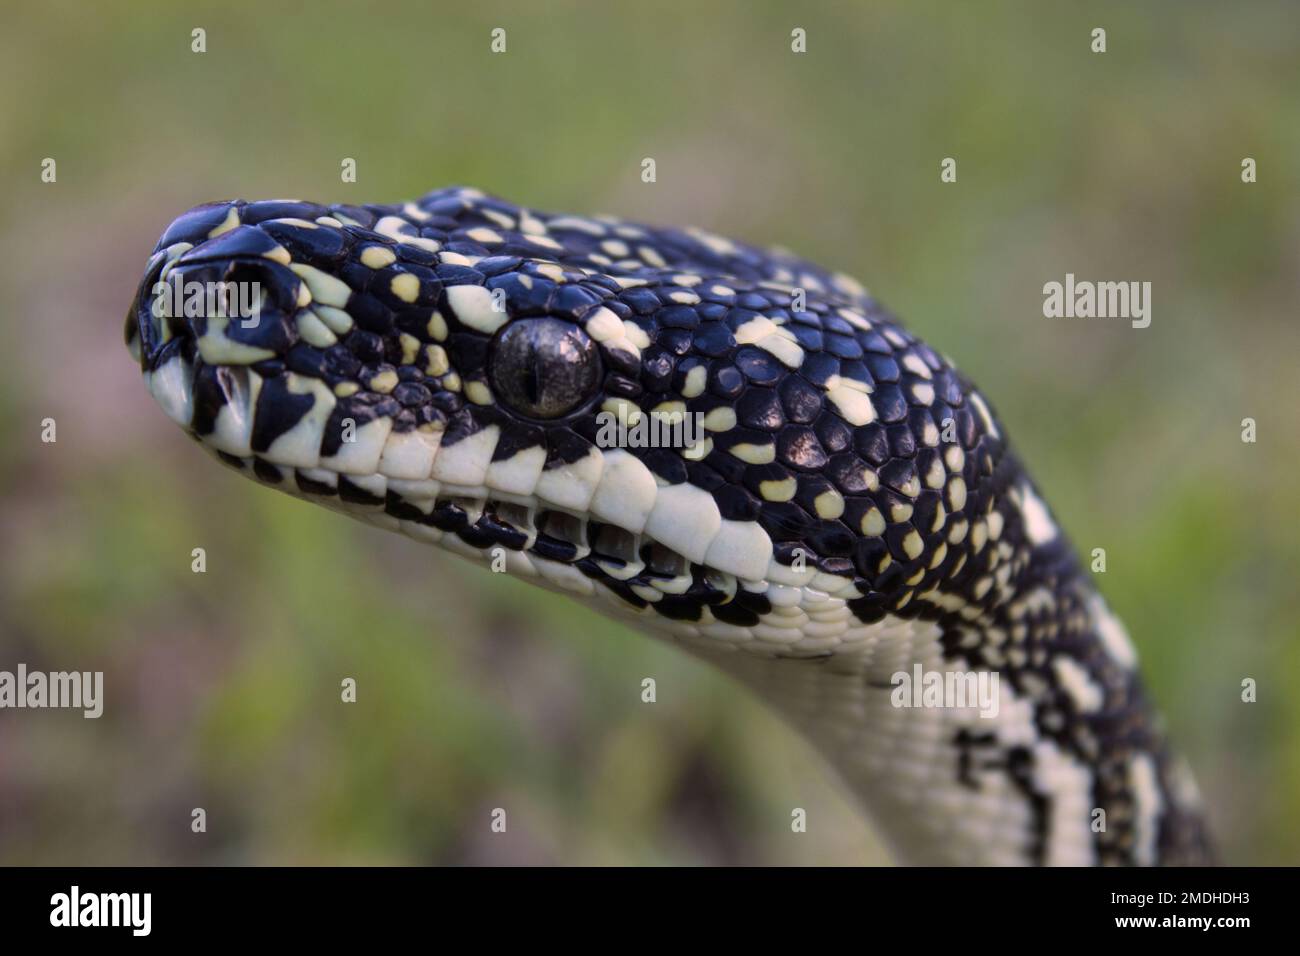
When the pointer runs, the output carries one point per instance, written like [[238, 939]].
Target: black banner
[[926, 905]]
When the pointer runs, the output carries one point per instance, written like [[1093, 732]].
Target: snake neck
[[999, 720]]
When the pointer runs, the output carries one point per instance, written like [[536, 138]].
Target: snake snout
[[215, 306], [299, 346]]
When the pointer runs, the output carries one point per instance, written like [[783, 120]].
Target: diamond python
[[855, 510]]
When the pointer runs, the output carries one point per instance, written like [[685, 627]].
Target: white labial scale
[[409, 455], [741, 548], [233, 429], [684, 519], [518, 474], [300, 445], [466, 462], [626, 493], [172, 387], [361, 457], [571, 486]]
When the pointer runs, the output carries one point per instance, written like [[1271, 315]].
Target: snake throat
[[442, 368]]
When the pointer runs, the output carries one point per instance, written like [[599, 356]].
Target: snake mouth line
[[552, 543]]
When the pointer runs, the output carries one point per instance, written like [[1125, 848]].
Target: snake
[[845, 529]]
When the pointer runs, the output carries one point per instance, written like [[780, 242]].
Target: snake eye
[[543, 368]]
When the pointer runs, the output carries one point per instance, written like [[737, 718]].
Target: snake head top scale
[[847, 511]]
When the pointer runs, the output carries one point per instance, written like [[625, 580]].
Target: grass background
[[477, 692]]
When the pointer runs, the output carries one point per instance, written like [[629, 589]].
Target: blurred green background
[[477, 692]]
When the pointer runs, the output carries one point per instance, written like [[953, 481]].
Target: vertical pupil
[[532, 376]]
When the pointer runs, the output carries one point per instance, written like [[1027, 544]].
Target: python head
[[459, 369]]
